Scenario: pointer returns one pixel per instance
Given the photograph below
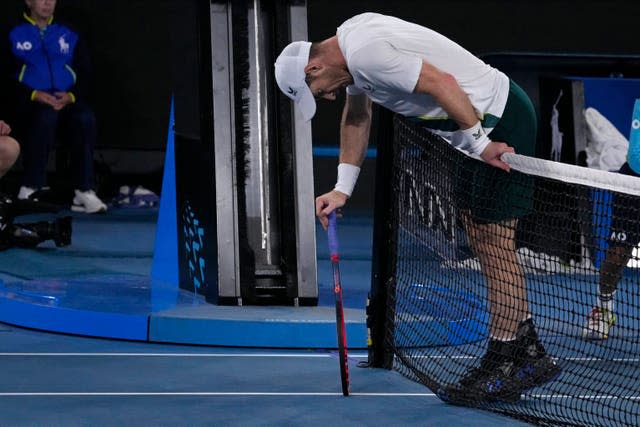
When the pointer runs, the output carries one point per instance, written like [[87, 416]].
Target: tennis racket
[[332, 234]]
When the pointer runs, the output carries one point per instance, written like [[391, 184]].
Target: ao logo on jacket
[[46, 58], [26, 45]]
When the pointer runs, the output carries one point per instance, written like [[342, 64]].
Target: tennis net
[[432, 313]]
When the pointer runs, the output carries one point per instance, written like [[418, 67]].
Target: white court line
[[211, 393], [566, 359], [599, 359], [285, 355], [584, 396], [283, 394], [301, 356]]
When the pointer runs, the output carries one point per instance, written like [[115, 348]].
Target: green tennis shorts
[[491, 194]]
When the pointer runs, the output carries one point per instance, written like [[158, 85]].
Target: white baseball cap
[[290, 76]]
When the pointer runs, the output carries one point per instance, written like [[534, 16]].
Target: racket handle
[[332, 234]]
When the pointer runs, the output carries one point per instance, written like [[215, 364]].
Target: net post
[[379, 354]]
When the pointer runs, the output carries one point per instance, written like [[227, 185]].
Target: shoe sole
[[76, 208], [464, 397], [592, 334], [460, 397], [595, 336]]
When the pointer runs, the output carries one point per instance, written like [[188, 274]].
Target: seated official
[[50, 72]]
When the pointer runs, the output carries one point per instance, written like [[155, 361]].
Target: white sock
[[493, 337], [606, 301]]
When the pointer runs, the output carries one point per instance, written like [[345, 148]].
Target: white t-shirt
[[384, 55]]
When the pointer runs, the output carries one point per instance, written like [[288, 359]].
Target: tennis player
[[624, 236], [418, 73]]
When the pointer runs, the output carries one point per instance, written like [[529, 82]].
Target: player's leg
[[602, 316], [494, 245], [624, 236], [515, 359]]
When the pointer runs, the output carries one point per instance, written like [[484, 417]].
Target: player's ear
[[312, 67]]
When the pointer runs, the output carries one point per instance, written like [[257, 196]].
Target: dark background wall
[[490, 26], [130, 43], [485, 28]]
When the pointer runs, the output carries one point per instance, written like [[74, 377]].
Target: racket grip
[[332, 234]]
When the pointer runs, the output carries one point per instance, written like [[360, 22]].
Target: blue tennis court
[[61, 379]]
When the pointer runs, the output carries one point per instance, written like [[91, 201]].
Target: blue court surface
[[62, 379]]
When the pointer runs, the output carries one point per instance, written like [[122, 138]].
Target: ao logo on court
[[635, 124]]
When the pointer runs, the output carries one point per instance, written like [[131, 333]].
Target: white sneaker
[[599, 321], [25, 192], [87, 202]]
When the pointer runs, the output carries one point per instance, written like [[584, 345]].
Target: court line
[[565, 359], [278, 355], [282, 394], [208, 393], [583, 396], [107, 354]]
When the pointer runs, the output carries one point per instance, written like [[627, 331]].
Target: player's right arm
[[444, 88], [354, 139]]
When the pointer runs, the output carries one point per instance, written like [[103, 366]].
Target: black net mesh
[[465, 273]]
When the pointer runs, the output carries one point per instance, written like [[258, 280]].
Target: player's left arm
[[444, 88]]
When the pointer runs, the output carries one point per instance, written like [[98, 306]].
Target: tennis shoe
[[87, 202], [25, 192], [28, 194], [480, 386], [479, 373], [599, 322], [534, 372]]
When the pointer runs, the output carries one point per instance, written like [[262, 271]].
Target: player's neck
[[331, 53]]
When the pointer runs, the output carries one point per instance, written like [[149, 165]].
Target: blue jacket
[[45, 60]]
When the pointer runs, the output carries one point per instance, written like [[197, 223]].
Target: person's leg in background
[[81, 129], [624, 236], [39, 124]]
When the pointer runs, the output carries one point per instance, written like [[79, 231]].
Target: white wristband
[[475, 139], [347, 177]]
